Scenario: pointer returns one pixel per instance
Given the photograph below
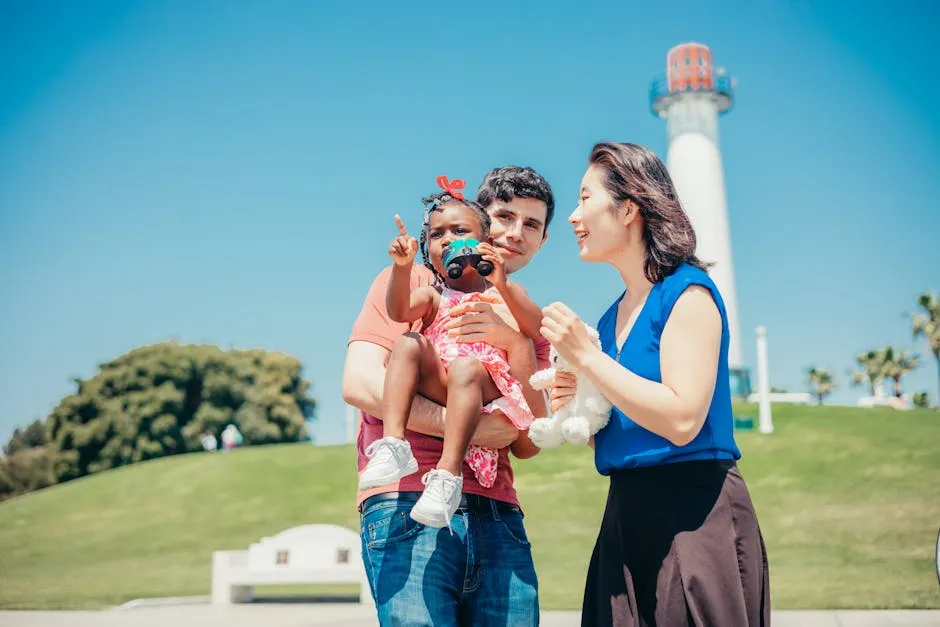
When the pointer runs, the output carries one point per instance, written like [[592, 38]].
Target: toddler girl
[[467, 375]]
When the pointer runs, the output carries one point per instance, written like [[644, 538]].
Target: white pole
[[766, 424], [350, 423]]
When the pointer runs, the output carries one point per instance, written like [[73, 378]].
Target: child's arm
[[406, 306], [523, 447], [527, 314], [523, 364], [523, 308], [402, 304]]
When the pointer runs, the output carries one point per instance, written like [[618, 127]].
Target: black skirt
[[679, 545]]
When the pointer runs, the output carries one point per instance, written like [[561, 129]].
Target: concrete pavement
[[352, 615]]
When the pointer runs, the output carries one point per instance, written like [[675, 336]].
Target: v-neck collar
[[618, 350]]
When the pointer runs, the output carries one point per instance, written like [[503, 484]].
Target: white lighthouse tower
[[690, 98]]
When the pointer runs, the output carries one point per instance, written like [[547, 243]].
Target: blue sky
[[227, 172]]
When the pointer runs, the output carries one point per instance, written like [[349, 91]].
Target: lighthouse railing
[[660, 94]]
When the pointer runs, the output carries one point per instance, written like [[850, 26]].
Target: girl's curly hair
[[437, 202]]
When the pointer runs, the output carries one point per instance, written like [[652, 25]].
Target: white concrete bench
[[796, 398], [305, 555]]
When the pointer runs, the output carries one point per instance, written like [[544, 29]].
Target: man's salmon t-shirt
[[373, 325]]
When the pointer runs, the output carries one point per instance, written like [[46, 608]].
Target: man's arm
[[477, 322], [364, 383]]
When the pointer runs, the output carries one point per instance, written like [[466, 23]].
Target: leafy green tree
[[26, 470], [159, 400], [872, 369], [33, 436], [821, 383], [897, 364], [926, 324], [15, 443]]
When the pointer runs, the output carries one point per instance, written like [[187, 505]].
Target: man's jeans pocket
[[386, 523], [513, 526]]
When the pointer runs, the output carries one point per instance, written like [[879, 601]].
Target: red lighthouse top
[[690, 72], [689, 66]]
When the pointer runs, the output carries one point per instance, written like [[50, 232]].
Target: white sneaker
[[390, 459], [440, 499]]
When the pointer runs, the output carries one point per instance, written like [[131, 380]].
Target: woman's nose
[[575, 217]]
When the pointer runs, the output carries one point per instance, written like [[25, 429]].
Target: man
[[481, 573]]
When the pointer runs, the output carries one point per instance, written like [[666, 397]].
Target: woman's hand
[[563, 388], [566, 332]]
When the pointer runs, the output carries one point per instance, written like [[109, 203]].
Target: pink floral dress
[[512, 403]]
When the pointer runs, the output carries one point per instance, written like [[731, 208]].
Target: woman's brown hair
[[635, 173]]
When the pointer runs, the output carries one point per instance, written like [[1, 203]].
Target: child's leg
[[390, 457], [412, 366], [469, 387]]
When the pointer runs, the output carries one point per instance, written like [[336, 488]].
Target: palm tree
[[926, 324], [872, 369], [821, 383], [897, 364]]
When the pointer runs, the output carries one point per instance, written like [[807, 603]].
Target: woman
[[679, 543]]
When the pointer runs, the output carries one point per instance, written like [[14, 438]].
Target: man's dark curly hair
[[513, 181]]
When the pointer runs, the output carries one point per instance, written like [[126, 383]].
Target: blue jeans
[[481, 575]]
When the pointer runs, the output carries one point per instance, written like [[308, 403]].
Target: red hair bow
[[451, 187]]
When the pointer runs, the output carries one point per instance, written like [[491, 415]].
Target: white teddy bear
[[586, 413]]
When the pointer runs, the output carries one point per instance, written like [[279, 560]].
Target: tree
[[872, 369], [33, 436], [921, 400], [926, 324], [896, 365], [159, 400], [26, 470], [821, 383], [15, 443]]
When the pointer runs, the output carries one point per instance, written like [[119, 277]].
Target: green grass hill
[[849, 501]]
